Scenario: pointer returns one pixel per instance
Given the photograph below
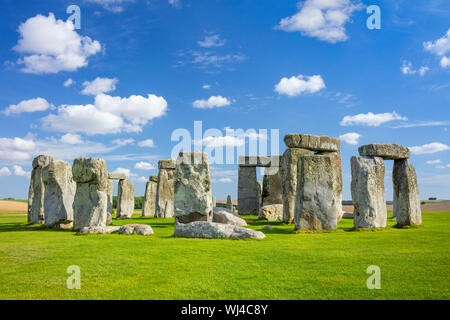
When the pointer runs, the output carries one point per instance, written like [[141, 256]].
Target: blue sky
[[135, 71]]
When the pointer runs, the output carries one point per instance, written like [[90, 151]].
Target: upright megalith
[[248, 191], [59, 194], [192, 195], [406, 194], [148, 206], [229, 205], [368, 192], [37, 190], [165, 188], [271, 187], [91, 200], [125, 199], [318, 204], [110, 197]]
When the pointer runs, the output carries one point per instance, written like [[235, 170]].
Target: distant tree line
[[137, 202]]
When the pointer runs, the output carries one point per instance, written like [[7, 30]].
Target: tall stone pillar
[[37, 190], [125, 200], [110, 197], [248, 191], [148, 206], [165, 189], [272, 192]]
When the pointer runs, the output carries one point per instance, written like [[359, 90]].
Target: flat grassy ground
[[414, 262]]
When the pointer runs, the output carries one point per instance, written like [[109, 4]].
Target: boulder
[[164, 207], [387, 151], [192, 195], [271, 212], [141, 229], [248, 191], [99, 230], [223, 215], [272, 192], [312, 142], [368, 192], [212, 230], [36, 191], [406, 194], [125, 200], [148, 205]]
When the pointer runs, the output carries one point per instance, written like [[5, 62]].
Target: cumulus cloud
[[16, 149], [321, 19], [148, 143], [212, 102], [99, 85], [445, 62], [68, 82], [18, 171], [70, 138], [211, 41], [370, 119], [429, 148], [5, 172], [108, 115], [31, 105], [144, 166], [440, 48], [50, 46], [407, 69], [350, 138], [295, 86], [125, 171]]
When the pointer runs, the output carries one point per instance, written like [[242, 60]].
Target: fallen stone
[[141, 229], [212, 230], [312, 142], [347, 215], [268, 227], [387, 151], [223, 215], [99, 230], [271, 212], [165, 189], [125, 200]]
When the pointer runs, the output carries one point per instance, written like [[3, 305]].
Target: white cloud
[[225, 180], [68, 82], [144, 166], [226, 141], [18, 171], [370, 119], [423, 70], [440, 48], [16, 149], [212, 102], [437, 161], [210, 59], [206, 86], [70, 138], [429, 148], [51, 46], [407, 69], [108, 115], [111, 5], [31, 105], [5, 172], [211, 41], [148, 143], [123, 142], [295, 86], [127, 172], [350, 138], [445, 62], [99, 85], [321, 19], [423, 124]]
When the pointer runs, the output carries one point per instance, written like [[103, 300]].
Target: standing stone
[[109, 210], [317, 206], [406, 194], [164, 189], [368, 193], [248, 191], [288, 172], [271, 190], [148, 206], [260, 187], [213, 201], [271, 212], [337, 165], [59, 194], [37, 190], [91, 200], [192, 197], [229, 203], [125, 200]]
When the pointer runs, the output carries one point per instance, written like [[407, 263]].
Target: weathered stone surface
[[116, 176], [91, 200], [338, 184], [317, 206], [141, 229], [165, 189], [288, 172], [213, 201], [223, 215], [230, 203], [37, 190], [248, 191], [271, 212], [149, 203], [312, 142], [406, 194], [387, 151], [99, 230], [272, 192], [212, 230], [153, 179], [259, 161], [192, 197], [125, 200], [59, 193], [42, 161], [109, 194], [347, 215], [368, 192]]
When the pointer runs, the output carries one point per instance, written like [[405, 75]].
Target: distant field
[[13, 207]]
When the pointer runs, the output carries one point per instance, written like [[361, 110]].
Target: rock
[[212, 230], [347, 215], [338, 184], [268, 227], [164, 189], [110, 197], [192, 196], [272, 192], [317, 206], [406, 194], [116, 176], [141, 229], [259, 161], [312, 142], [149, 203], [248, 191], [91, 200], [125, 200], [36, 191], [213, 201], [223, 215], [230, 203], [288, 172], [59, 194], [368, 192], [99, 230], [271, 212], [387, 151], [42, 161]]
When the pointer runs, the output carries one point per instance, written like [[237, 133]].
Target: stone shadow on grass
[[15, 227]]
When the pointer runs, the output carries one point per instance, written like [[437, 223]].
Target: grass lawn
[[414, 262]]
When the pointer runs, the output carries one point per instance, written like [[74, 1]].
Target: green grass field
[[414, 262]]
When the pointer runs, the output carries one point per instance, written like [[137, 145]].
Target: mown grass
[[414, 262]]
